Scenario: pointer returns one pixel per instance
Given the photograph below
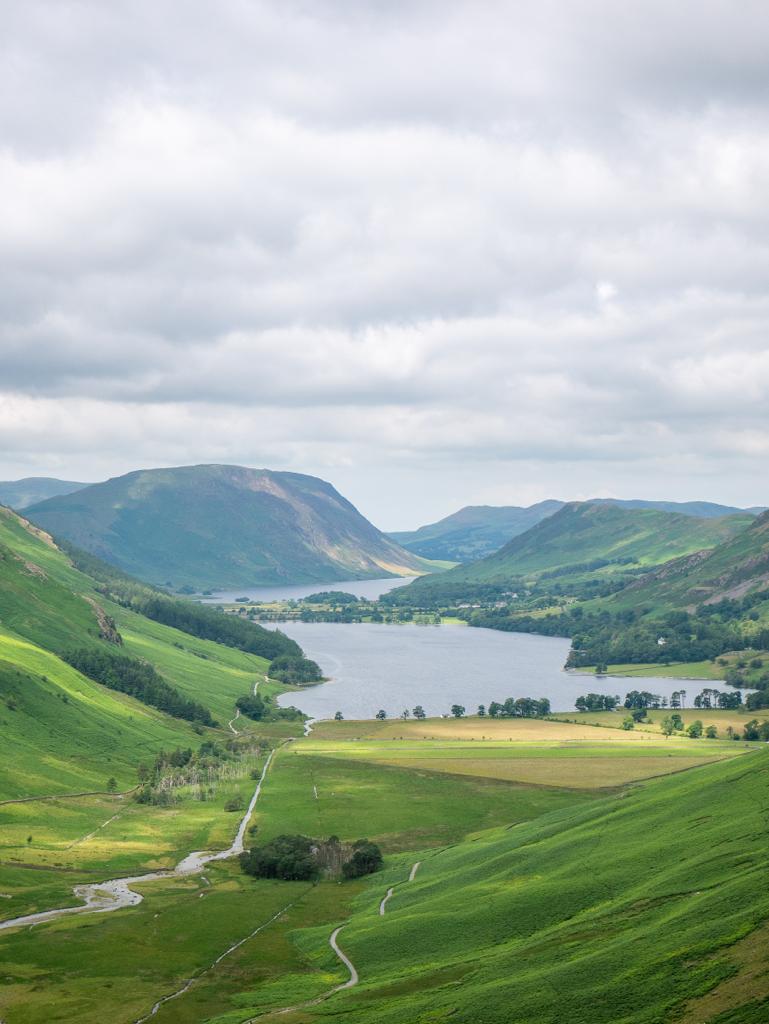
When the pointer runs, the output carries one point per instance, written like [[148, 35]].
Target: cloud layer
[[439, 253]]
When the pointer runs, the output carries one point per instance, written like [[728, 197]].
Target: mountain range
[[211, 527], [20, 494], [583, 540], [479, 530]]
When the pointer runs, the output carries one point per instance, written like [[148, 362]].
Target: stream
[[116, 893]]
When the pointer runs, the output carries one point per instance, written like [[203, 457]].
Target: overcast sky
[[438, 253]]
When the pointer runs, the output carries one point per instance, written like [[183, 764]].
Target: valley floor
[[568, 871]]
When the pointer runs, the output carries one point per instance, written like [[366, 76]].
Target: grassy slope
[[617, 911], [209, 526], [68, 733], [736, 567]]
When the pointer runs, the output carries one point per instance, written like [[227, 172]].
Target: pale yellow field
[[579, 773], [721, 719], [526, 730]]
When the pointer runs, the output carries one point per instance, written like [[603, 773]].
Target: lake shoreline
[[380, 666]]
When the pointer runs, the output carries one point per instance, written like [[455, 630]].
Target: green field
[[693, 671], [534, 890]]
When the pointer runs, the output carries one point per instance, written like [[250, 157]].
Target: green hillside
[[622, 910], [208, 527], [731, 571], [19, 494], [583, 539], [61, 730]]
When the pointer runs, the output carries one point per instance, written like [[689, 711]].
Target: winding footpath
[[351, 981], [116, 893], [230, 724]]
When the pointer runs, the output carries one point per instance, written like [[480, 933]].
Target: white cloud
[[441, 253]]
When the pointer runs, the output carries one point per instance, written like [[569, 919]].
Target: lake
[[370, 589], [373, 666]]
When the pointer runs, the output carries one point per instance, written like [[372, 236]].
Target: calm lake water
[[371, 589], [372, 666]]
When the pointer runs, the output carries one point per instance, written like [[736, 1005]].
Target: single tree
[[695, 729], [419, 712], [338, 716], [457, 710], [711, 732], [381, 714], [481, 710], [111, 784]]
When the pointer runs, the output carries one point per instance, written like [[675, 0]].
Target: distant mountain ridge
[[587, 537], [476, 531], [212, 526], [20, 494]]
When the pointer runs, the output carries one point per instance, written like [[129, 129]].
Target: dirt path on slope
[[351, 981]]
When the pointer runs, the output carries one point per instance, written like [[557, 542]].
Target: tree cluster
[[519, 707], [596, 702], [296, 858], [296, 669], [138, 679], [252, 706], [366, 859], [286, 857], [340, 597]]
